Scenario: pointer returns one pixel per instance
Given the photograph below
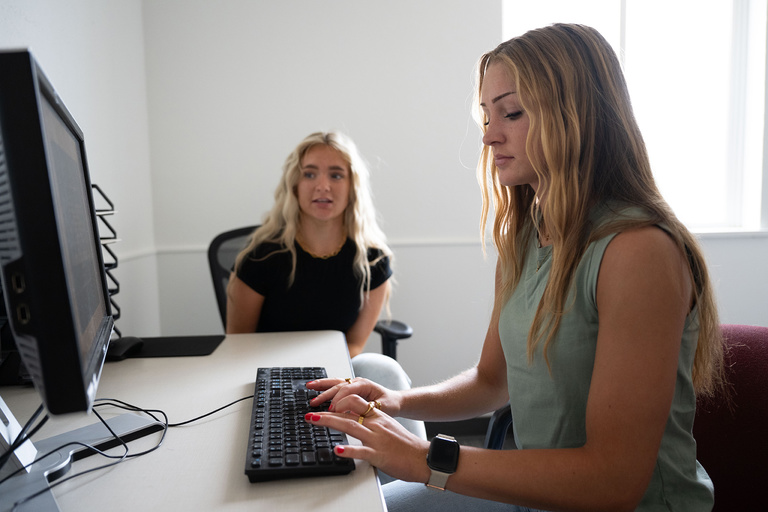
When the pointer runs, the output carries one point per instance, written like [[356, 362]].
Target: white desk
[[201, 466]]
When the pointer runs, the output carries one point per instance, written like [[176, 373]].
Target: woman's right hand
[[336, 390]]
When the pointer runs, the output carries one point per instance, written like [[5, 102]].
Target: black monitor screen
[[53, 274], [78, 247]]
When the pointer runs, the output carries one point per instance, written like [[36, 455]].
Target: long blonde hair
[[280, 225], [586, 149]]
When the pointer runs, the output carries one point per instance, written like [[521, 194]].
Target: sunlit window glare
[[696, 75]]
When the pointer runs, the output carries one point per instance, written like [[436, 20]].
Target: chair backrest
[[221, 256], [732, 432]]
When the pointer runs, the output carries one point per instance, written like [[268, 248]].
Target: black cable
[[24, 434], [51, 485], [210, 413], [103, 402], [121, 405]]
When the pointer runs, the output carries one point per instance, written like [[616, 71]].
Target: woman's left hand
[[387, 445], [336, 390]]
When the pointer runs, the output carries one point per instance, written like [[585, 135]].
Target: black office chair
[[498, 426], [221, 257]]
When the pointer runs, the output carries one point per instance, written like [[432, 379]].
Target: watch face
[[443, 454]]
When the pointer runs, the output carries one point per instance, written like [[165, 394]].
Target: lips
[[501, 159], [323, 200]]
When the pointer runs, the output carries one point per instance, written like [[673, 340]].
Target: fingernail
[[315, 417], [339, 450], [331, 408], [308, 416]]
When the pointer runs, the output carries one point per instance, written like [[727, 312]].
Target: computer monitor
[[53, 276]]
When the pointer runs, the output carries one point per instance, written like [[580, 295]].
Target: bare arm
[[643, 297], [243, 307], [476, 391], [358, 334]]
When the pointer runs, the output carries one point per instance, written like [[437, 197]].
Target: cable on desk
[[210, 413], [120, 458], [103, 402], [60, 481], [100, 402]]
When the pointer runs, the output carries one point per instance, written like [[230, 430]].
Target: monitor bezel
[[43, 323]]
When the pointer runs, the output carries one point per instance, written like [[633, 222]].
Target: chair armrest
[[500, 422], [391, 331]]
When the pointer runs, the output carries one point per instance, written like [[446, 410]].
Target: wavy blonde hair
[[280, 225], [586, 149]]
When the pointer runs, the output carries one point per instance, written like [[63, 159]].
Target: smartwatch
[[442, 459]]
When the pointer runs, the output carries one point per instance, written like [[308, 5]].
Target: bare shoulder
[[643, 242], [645, 261]]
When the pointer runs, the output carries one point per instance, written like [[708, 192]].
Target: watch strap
[[438, 479], [442, 460]]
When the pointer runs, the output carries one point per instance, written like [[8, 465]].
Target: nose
[[323, 182], [492, 134]]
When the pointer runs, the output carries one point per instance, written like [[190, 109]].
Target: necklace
[[320, 256]]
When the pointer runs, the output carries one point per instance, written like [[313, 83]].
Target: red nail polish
[[339, 450], [308, 416], [315, 417], [331, 408]]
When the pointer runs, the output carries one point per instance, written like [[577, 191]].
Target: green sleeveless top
[[549, 410]]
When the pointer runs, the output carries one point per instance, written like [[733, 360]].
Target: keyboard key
[[281, 444]]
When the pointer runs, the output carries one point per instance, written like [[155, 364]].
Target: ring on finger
[[361, 419], [371, 405], [349, 381]]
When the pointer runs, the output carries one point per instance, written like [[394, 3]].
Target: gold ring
[[361, 419], [349, 381], [377, 404], [369, 409]]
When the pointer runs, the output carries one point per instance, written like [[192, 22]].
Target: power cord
[[28, 431]]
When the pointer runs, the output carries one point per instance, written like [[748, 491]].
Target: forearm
[[464, 396], [355, 347], [573, 479]]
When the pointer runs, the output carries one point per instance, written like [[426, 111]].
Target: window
[[696, 71]]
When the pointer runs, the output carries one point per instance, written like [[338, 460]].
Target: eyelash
[[310, 175], [512, 116]]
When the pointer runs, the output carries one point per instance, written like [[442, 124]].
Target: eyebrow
[[332, 168], [500, 96]]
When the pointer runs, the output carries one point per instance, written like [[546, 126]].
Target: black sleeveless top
[[325, 293]]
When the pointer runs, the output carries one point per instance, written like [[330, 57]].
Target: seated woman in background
[[319, 261]]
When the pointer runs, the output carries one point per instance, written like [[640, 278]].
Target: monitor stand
[[37, 477]]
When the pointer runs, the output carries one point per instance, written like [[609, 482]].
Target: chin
[[514, 179]]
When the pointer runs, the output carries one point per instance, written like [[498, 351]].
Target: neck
[[545, 238], [321, 240]]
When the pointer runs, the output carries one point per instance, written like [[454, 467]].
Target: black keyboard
[[281, 444]]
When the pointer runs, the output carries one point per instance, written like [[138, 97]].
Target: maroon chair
[[732, 434]]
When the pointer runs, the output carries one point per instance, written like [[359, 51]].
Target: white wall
[[93, 53], [233, 87], [211, 96]]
